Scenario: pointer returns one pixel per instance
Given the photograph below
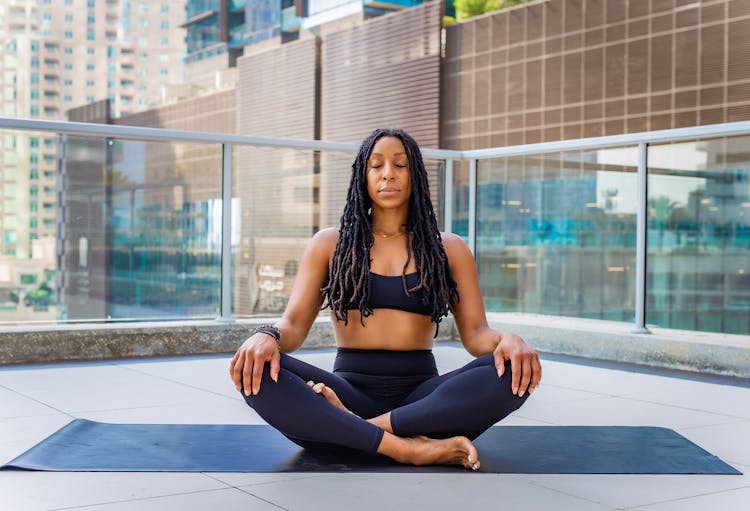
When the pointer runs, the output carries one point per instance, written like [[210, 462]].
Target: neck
[[388, 223]]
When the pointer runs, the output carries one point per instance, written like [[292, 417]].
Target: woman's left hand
[[526, 371]]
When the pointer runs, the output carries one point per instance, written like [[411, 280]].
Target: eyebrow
[[394, 154]]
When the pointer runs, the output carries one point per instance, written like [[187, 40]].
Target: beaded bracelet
[[271, 330]]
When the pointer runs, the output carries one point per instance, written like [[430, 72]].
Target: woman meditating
[[389, 276]]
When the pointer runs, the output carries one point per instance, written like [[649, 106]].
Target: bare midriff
[[386, 329]]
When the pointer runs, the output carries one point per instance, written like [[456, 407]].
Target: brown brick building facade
[[566, 69]]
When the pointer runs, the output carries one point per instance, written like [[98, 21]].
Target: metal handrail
[[152, 134], [139, 133]]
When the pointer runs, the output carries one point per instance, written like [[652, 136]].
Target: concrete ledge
[[701, 352], [602, 340], [102, 341]]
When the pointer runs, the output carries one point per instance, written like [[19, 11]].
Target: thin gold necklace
[[388, 236]]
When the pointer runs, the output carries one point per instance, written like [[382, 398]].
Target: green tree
[[39, 298], [466, 9]]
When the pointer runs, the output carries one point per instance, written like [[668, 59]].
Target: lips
[[389, 190]]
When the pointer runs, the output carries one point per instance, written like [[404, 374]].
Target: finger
[[247, 376], [515, 371], [537, 376], [235, 371], [318, 387], [275, 366], [258, 366], [525, 377], [499, 363], [310, 383]]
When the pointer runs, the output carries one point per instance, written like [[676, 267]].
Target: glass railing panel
[[28, 226], [460, 213], [699, 236], [141, 233], [556, 233], [278, 201]]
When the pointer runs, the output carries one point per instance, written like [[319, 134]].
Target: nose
[[388, 171]]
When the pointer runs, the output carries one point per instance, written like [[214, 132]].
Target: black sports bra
[[387, 292]]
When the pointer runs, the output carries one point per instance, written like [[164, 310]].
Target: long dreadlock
[[350, 270]]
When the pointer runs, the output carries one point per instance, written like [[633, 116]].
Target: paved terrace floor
[[36, 400]]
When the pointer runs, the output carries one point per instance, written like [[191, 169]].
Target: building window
[[33, 190], [33, 142], [68, 82], [34, 45], [68, 34], [143, 8], [89, 67], [67, 98], [144, 23], [33, 207], [68, 51], [34, 94], [33, 223], [90, 34], [90, 51], [33, 175], [164, 72], [89, 99], [165, 41], [34, 61], [34, 78], [90, 18], [89, 83], [164, 25], [164, 7], [34, 110], [68, 17], [68, 66]]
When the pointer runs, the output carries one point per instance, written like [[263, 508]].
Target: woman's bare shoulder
[[452, 241], [327, 236], [455, 247], [324, 241]]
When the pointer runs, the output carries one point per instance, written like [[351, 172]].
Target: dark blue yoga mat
[[92, 446]]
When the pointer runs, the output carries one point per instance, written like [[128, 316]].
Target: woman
[[389, 276]]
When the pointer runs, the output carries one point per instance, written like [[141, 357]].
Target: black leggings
[[370, 383]]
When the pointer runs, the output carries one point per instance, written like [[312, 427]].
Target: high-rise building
[[54, 56], [221, 31]]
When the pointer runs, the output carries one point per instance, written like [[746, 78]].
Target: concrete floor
[[36, 400]]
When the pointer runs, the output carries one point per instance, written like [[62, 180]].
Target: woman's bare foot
[[328, 393], [421, 450]]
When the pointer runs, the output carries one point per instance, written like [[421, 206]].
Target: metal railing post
[[448, 197], [226, 234], [641, 240], [473, 206]]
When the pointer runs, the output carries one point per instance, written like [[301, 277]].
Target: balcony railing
[[649, 228]]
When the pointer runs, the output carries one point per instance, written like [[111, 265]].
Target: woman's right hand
[[247, 364]]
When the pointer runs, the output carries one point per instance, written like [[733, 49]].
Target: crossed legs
[[432, 425]]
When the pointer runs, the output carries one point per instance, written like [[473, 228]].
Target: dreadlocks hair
[[348, 283]]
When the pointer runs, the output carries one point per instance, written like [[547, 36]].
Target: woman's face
[[388, 180]]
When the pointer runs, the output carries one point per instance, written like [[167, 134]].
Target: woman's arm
[[477, 337], [305, 300]]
